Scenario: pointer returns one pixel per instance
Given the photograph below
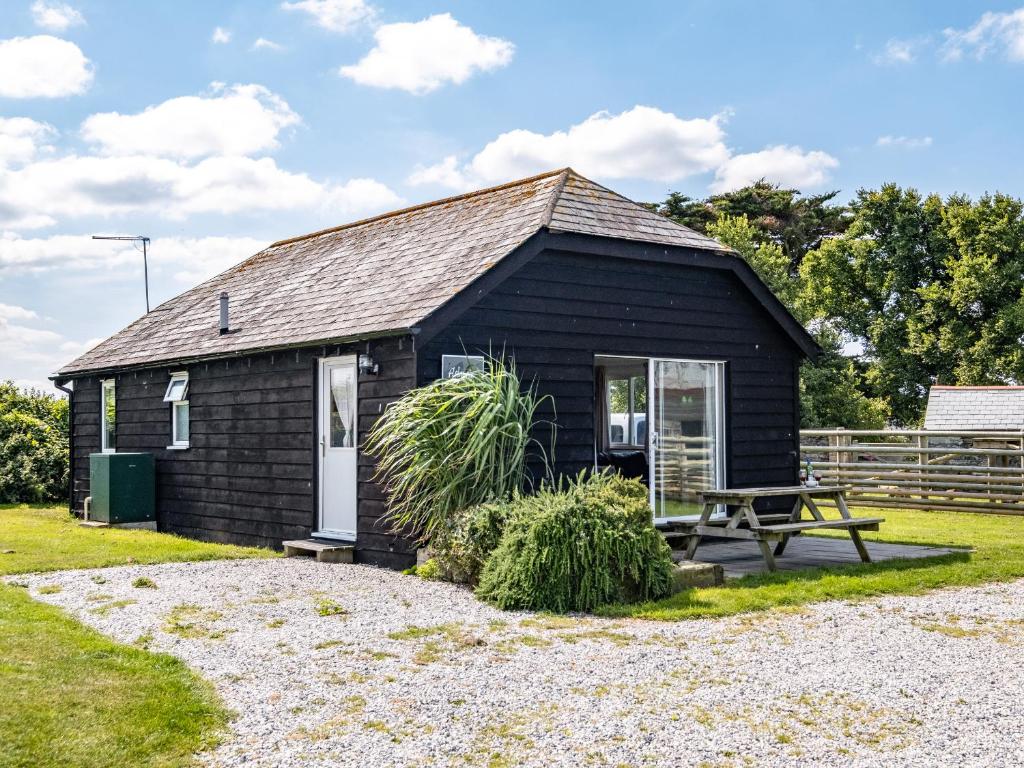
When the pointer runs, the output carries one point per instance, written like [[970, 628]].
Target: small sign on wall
[[455, 365]]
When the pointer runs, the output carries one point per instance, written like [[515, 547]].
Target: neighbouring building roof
[[380, 275], [975, 409]]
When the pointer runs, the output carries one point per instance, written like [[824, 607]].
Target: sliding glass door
[[687, 436]]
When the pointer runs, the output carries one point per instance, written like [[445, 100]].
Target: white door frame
[[322, 404], [652, 435]]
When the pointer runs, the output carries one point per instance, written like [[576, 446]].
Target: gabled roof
[[972, 409], [377, 276]]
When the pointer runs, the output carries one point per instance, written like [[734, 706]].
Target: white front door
[[338, 452]]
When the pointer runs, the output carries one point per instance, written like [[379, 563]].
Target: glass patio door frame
[[654, 429]]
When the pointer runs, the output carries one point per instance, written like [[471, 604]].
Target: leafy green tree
[[795, 223], [33, 445], [872, 283], [830, 393], [831, 389], [972, 329], [766, 258]]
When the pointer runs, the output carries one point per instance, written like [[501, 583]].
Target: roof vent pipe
[[224, 327]]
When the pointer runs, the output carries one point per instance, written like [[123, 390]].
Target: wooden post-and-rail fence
[[922, 469]]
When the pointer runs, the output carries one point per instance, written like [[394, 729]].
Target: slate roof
[[380, 275], [975, 408]]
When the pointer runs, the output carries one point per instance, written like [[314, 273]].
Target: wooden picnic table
[[764, 530]]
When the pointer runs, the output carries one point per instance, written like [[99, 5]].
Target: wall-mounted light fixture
[[367, 365]]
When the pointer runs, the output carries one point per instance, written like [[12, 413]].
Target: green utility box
[[123, 487]]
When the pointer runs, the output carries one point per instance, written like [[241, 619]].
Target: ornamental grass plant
[[456, 443]]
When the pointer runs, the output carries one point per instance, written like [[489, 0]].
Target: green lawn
[[997, 543], [47, 539], [68, 695]]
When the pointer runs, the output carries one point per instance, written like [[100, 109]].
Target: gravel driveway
[[351, 665]]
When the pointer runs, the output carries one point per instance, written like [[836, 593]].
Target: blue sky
[[217, 127]]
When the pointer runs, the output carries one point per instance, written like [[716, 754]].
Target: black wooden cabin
[[664, 353]]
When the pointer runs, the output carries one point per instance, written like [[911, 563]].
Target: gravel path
[[402, 672]]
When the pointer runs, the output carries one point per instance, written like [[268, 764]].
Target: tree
[[33, 445], [830, 387], [766, 258], [973, 331], [795, 223], [872, 283], [831, 390]]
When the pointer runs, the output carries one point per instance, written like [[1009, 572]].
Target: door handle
[[323, 446]]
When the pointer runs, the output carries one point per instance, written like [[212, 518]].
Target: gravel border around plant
[[336, 665]]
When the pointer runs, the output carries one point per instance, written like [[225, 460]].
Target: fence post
[[833, 442], [846, 457], [922, 460], [1019, 461]]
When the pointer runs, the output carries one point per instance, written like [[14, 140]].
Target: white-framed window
[[108, 416], [177, 396]]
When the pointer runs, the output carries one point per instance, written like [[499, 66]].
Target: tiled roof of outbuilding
[[379, 275], [975, 409]]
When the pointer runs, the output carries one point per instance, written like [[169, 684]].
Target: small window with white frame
[[177, 396], [108, 416]]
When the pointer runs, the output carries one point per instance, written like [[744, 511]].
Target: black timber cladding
[[249, 475], [560, 308]]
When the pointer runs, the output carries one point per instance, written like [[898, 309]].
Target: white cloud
[[22, 138], [55, 16], [188, 155], [445, 174], [643, 142], [904, 142], [11, 312], [188, 260], [42, 67], [24, 348], [335, 15], [45, 192], [236, 120], [262, 44], [221, 35], [993, 31], [358, 197], [421, 56], [785, 165], [898, 52]]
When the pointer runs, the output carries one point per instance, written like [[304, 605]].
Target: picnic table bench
[[776, 527]]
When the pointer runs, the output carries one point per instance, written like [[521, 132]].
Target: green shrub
[[33, 445], [452, 444], [461, 548], [430, 570], [576, 548]]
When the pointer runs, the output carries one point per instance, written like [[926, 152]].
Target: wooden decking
[[739, 558]]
